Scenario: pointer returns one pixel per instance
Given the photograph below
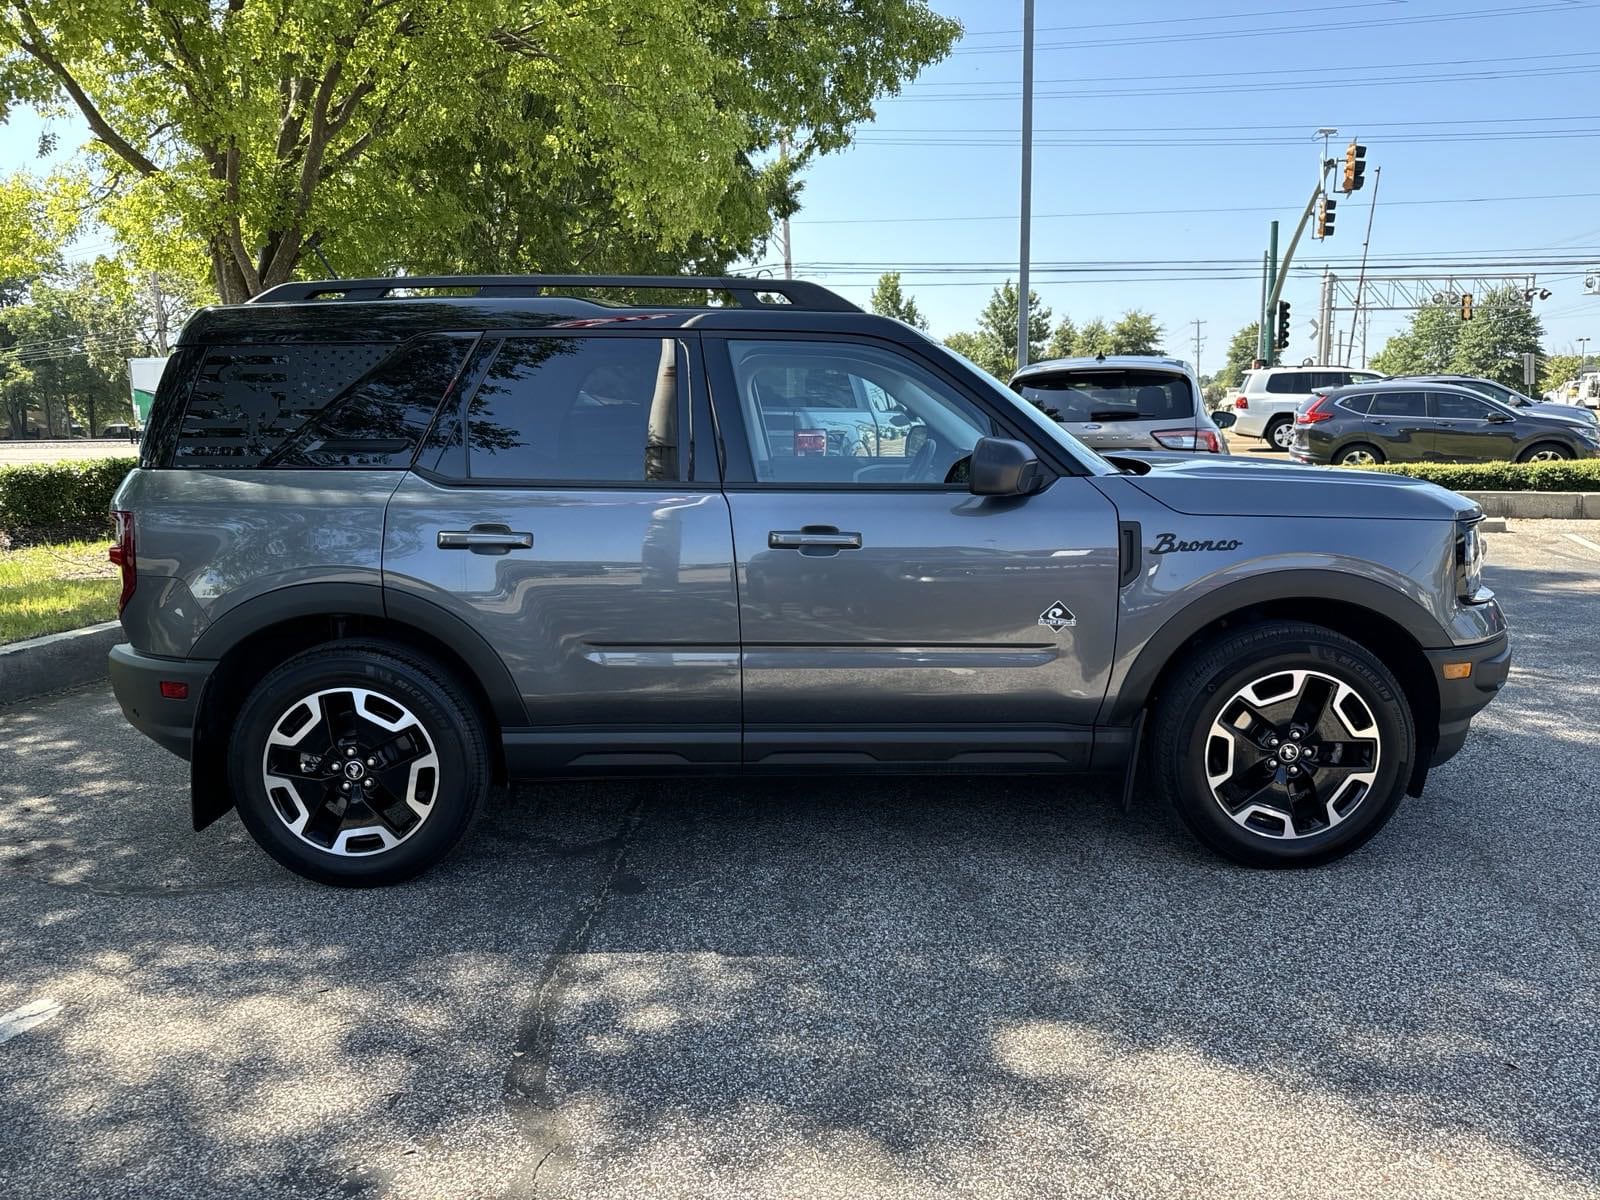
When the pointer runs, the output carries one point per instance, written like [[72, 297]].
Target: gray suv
[[391, 541], [1125, 402]]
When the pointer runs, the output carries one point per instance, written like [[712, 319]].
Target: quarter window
[[831, 412], [576, 410]]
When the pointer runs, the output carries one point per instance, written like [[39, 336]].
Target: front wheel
[[1359, 455], [1545, 452], [1280, 433], [358, 763], [1283, 745]]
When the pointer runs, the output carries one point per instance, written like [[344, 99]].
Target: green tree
[[1136, 333], [424, 134], [1491, 345], [1241, 353], [1094, 338], [1427, 345], [1556, 370], [994, 345], [1064, 341], [888, 300]]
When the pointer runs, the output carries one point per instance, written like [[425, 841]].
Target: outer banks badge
[[1058, 617]]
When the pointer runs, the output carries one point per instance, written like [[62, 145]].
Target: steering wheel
[[917, 470]]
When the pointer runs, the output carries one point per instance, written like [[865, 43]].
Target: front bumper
[[137, 678], [1462, 699]]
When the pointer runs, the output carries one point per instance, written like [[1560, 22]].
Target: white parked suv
[[1270, 395]]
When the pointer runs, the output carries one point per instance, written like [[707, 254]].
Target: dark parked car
[[1400, 420], [1510, 397]]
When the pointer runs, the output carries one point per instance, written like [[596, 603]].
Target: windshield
[[1050, 430], [1112, 395]]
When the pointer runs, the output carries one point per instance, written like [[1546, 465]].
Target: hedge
[[55, 501], [1570, 475]]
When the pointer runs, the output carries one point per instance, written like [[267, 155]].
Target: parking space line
[[1583, 541], [20, 1020]]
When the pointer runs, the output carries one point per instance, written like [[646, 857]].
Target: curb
[[56, 662], [1572, 506]]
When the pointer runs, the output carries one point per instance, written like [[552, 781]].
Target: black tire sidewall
[[1224, 674], [457, 738]]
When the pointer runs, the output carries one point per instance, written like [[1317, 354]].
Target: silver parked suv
[[1126, 402], [386, 547]]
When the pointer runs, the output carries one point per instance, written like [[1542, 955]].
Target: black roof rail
[[800, 294]]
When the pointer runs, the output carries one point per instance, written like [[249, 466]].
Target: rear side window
[[1289, 383], [1356, 404], [576, 410], [1112, 395], [1400, 404], [248, 400]]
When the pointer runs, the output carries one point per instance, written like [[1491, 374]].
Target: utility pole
[[1269, 350], [1583, 349], [1023, 293], [1361, 279], [1261, 323], [1198, 342], [1325, 318], [788, 246]]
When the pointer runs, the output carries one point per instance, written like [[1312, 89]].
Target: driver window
[[830, 412]]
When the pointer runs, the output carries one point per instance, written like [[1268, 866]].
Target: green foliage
[[1094, 338], [1491, 345], [1136, 333], [449, 134], [54, 500], [1064, 341], [1426, 346], [994, 346], [888, 300], [1241, 353], [35, 219], [1556, 370], [1572, 475]]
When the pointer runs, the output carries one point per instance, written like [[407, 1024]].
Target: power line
[[1523, 10], [938, 138], [1179, 20]]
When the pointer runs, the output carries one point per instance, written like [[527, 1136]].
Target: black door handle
[[817, 538], [485, 539]]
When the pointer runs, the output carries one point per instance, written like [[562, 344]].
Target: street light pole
[[1583, 349], [1027, 183]]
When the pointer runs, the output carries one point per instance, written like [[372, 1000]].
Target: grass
[[46, 589]]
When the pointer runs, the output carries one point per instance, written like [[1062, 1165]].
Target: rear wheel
[[1545, 452], [1283, 745], [1359, 455], [358, 763], [1279, 433]]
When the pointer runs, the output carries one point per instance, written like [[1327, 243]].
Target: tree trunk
[[225, 273]]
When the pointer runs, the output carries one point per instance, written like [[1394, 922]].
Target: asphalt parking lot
[[911, 988]]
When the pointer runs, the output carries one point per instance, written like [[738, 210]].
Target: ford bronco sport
[[392, 540]]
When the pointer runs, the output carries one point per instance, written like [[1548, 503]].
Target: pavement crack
[[525, 1089]]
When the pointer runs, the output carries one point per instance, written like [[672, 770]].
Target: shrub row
[[1573, 475], [55, 501]]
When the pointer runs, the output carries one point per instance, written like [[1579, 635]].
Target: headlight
[[1469, 557]]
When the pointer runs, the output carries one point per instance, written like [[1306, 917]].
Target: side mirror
[[1500, 418], [1001, 467], [1224, 418]]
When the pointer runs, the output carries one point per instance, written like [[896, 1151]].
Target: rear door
[[1401, 426], [888, 615], [556, 512]]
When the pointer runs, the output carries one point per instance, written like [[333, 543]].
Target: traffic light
[[1466, 306], [1325, 207], [1283, 324], [1355, 167]]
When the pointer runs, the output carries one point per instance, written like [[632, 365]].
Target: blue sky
[[1457, 101]]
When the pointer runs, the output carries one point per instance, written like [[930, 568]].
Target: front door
[[554, 513], [887, 615], [1463, 432]]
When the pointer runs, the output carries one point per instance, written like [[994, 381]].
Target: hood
[[1566, 413], [1239, 487]]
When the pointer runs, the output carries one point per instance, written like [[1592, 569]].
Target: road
[[16, 453], [939, 988]]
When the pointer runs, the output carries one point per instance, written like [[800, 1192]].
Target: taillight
[[1188, 439], [122, 553], [1320, 409], [1241, 402], [810, 441]]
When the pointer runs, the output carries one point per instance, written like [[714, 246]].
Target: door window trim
[[733, 434]]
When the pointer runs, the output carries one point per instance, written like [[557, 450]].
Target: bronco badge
[[1058, 616], [1167, 543]]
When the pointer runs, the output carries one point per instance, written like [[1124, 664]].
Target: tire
[[1279, 432], [1205, 772], [376, 702], [1358, 454], [1545, 452]]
